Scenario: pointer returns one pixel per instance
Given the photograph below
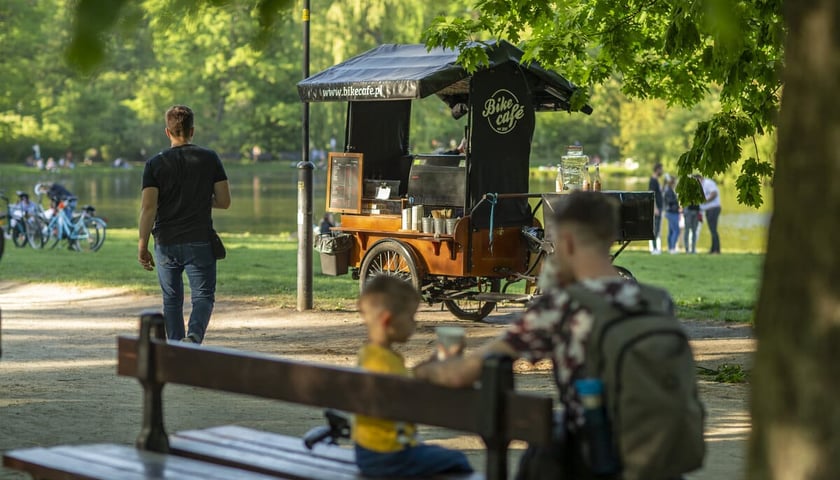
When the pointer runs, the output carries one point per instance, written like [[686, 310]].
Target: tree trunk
[[796, 383]]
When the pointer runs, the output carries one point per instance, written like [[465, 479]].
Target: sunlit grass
[[719, 287], [263, 269]]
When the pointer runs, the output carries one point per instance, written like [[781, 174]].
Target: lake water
[[265, 201]]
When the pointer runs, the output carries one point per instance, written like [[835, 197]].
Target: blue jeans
[[420, 461], [712, 216], [657, 224], [673, 229], [690, 236], [198, 261]]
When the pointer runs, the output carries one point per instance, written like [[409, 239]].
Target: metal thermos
[[406, 219], [416, 215]]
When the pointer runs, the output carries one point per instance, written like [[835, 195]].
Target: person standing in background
[[691, 215], [672, 212], [711, 207], [653, 186], [181, 186]]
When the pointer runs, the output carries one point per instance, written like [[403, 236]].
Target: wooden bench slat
[[307, 384], [327, 386], [274, 464], [110, 461], [277, 440], [42, 463], [269, 443], [276, 454], [156, 464]]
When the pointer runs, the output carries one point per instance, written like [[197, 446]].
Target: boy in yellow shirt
[[385, 448]]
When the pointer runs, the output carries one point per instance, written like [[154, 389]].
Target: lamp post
[[304, 186]]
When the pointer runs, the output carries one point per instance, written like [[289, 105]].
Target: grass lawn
[[263, 269], [717, 287]]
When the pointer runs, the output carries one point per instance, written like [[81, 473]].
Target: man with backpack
[[617, 334]]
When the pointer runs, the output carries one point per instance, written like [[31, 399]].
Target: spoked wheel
[[390, 258], [19, 233], [624, 273], [475, 310], [91, 236], [55, 235], [36, 232]]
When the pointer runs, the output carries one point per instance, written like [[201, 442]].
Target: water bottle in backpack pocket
[[598, 447]]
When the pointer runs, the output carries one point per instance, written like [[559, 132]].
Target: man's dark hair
[[594, 215], [179, 120], [393, 294], [657, 166]]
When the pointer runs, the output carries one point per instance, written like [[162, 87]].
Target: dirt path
[[58, 383]]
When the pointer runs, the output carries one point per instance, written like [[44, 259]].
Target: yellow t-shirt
[[378, 434]]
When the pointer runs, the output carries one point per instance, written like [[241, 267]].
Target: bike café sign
[[503, 111]]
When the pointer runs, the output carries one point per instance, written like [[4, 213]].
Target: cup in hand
[[450, 342]]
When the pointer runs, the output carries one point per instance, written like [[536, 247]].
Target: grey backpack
[[644, 359]]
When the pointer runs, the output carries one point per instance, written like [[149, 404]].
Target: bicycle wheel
[[54, 233], [90, 235], [18, 233], [37, 232]]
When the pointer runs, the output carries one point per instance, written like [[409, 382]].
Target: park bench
[[494, 411]]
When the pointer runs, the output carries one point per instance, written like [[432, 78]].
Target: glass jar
[[573, 167]]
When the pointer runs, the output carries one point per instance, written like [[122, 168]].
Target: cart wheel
[[473, 309], [390, 258], [624, 273]]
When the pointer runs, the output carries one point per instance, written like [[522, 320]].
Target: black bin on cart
[[335, 252]]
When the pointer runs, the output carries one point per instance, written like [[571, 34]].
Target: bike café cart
[[497, 237]]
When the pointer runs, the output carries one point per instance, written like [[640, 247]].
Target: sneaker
[[190, 339], [656, 252]]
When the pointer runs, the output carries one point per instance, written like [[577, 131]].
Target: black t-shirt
[[653, 186], [185, 176]]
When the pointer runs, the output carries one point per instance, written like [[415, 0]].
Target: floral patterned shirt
[[556, 327]]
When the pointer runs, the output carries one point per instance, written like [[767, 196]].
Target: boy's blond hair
[[394, 295]]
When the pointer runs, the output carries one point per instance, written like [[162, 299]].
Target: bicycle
[[15, 221], [83, 232], [36, 226]]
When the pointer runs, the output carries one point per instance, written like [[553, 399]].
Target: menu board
[[344, 182]]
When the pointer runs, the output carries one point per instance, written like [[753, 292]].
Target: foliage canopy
[[236, 63], [674, 50]]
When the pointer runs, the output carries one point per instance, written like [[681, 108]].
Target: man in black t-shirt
[[181, 185]]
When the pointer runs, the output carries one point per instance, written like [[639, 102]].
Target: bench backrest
[[494, 411]]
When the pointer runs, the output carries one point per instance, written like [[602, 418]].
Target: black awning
[[407, 72]]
